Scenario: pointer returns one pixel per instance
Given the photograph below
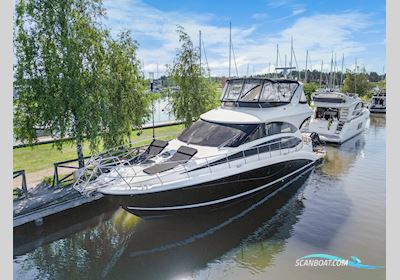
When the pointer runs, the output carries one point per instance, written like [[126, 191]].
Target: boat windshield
[[254, 90], [211, 134]]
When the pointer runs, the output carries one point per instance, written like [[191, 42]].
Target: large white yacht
[[337, 117], [378, 103], [251, 144]]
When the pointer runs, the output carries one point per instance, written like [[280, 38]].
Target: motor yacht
[[378, 103], [249, 145], [338, 117]]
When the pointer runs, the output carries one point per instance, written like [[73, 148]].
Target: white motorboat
[[251, 144], [338, 117], [378, 103]]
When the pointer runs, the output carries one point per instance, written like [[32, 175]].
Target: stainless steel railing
[[120, 170]]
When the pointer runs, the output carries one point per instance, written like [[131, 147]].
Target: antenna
[[230, 47]]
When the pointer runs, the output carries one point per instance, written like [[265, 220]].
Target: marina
[[337, 208], [184, 167]]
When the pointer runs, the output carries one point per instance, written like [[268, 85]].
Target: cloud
[[253, 44], [298, 11], [278, 3], [259, 16]]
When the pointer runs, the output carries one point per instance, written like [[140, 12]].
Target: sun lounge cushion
[[182, 155], [152, 150]]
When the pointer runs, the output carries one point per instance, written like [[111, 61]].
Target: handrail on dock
[[21, 173]]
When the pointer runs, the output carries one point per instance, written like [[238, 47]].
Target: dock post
[[24, 188], [55, 181]]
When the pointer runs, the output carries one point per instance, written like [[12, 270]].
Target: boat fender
[[315, 140]]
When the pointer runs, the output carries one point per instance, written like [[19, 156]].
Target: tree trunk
[[80, 153]]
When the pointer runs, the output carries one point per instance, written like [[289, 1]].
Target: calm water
[[337, 208], [162, 110]]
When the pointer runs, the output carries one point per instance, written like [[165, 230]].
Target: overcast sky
[[354, 28]]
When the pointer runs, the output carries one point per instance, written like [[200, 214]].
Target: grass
[[41, 157]]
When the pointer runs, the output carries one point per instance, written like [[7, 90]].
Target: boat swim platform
[[44, 201]]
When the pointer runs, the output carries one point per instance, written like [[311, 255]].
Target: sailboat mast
[[320, 74], [334, 73], [200, 50], [341, 76], [230, 47], [305, 72], [291, 55], [355, 78], [330, 72], [276, 64]]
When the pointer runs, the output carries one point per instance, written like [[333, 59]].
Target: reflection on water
[[338, 208], [338, 161]]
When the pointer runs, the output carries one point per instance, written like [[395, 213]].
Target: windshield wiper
[[249, 91]]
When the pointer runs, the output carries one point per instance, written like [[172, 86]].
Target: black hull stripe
[[222, 200]]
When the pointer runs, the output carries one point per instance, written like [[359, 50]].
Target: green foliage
[[309, 88], [48, 180], [356, 83], [17, 193], [71, 77], [197, 94], [125, 103]]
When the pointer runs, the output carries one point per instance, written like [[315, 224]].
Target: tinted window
[[258, 133], [205, 133], [279, 127]]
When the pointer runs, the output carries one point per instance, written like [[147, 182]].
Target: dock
[[43, 201]]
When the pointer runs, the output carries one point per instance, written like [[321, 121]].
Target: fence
[[21, 173]]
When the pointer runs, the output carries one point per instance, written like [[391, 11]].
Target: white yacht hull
[[332, 134]]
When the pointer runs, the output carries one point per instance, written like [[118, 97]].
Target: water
[[162, 113], [338, 209]]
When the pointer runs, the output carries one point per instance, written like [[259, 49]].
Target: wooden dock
[[44, 201]]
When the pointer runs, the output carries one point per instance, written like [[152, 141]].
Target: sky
[[355, 29]]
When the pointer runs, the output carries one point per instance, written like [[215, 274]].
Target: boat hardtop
[[334, 99]]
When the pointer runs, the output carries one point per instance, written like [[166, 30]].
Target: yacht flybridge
[[378, 103], [338, 116], [250, 145]]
